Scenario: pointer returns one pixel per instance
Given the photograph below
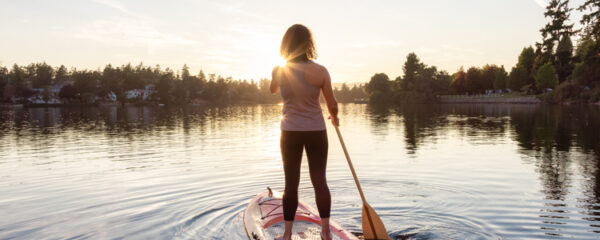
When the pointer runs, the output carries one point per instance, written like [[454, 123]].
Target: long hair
[[297, 44]]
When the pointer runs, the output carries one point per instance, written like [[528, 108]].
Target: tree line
[[167, 86], [555, 68]]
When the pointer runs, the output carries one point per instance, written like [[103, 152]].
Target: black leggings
[[292, 144]]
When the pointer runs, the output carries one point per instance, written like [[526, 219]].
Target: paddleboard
[[263, 220]]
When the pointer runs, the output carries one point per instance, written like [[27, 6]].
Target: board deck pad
[[263, 220], [301, 231]]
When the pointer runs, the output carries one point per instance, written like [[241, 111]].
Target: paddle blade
[[372, 225]]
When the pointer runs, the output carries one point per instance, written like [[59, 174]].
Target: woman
[[302, 124]]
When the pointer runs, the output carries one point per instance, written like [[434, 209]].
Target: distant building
[[144, 93], [134, 93], [148, 91], [111, 97]]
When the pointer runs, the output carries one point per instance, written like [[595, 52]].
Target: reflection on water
[[431, 171]]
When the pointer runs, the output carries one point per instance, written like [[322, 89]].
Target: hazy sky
[[355, 39]]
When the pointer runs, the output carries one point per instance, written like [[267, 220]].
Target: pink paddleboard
[[263, 220]]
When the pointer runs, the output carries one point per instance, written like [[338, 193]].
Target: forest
[[136, 84], [555, 70]]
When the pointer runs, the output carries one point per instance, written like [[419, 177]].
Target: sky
[[354, 39]]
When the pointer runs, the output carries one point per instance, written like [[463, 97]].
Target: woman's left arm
[[332, 104]]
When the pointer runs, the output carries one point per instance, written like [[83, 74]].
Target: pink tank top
[[301, 107]]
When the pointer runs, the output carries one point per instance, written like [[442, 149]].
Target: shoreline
[[490, 99]]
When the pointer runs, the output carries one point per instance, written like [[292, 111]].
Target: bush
[[378, 97], [566, 91]]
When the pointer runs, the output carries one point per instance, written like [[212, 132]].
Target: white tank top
[[301, 107]]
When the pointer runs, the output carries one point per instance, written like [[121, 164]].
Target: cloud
[[379, 43], [542, 3], [130, 33], [120, 7], [131, 30]]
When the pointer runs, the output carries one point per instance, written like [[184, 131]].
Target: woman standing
[[302, 125]]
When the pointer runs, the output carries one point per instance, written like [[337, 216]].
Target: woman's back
[[300, 90]]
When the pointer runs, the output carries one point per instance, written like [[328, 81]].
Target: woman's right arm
[[332, 104], [274, 80]]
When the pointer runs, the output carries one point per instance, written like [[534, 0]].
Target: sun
[[267, 54], [269, 60]]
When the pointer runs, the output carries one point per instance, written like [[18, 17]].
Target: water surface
[[430, 171]]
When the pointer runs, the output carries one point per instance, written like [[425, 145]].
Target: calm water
[[430, 171]]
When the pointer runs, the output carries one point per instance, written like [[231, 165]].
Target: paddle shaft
[[366, 208], [362, 196]]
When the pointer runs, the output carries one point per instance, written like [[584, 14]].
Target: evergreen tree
[[86, 81], [559, 12], [17, 80], [43, 75], [185, 73], [187, 81], [164, 86], [591, 18], [3, 81], [564, 57], [61, 75], [411, 69], [587, 71]]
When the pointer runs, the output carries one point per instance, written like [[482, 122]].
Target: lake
[[470, 171]]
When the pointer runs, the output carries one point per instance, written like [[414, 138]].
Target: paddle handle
[[362, 196]]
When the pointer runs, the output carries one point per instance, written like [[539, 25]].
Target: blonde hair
[[298, 44]]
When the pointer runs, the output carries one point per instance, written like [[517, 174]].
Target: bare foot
[[326, 235], [284, 237]]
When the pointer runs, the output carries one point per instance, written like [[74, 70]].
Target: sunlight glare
[[267, 54]]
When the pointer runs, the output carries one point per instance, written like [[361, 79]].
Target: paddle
[[372, 225]]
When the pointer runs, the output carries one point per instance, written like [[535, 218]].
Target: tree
[[85, 81], [17, 80], [474, 80], [564, 57], [526, 59], [518, 78], [3, 81], [185, 73], [43, 75], [587, 70], [164, 86], [131, 78], [378, 88], [546, 77], [67, 92], [459, 82], [442, 81], [500, 79], [590, 19], [411, 69], [488, 74], [559, 12], [61, 75], [343, 94]]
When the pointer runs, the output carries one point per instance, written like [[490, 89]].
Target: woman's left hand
[[334, 120]]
